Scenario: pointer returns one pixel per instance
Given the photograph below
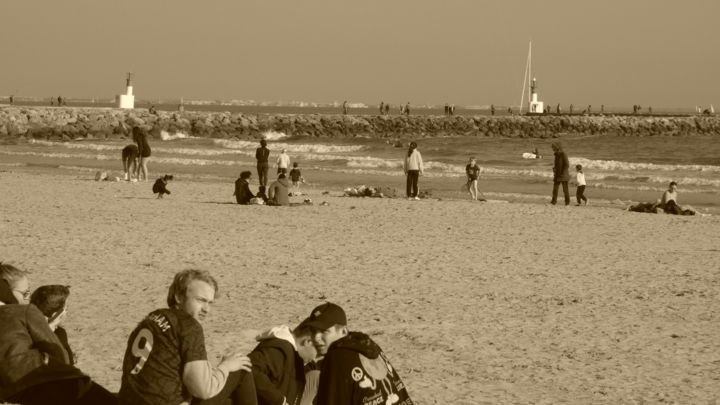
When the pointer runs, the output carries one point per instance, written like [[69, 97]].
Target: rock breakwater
[[102, 123]]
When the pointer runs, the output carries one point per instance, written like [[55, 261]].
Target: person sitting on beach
[[34, 367], [278, 364], [51, 300], [283, 162], [278, 191], [296, 178], [160, 186], [130, 155], [472, 170], [261, 194], [243, 195], [355, 355], [166, 361], [668, 202]]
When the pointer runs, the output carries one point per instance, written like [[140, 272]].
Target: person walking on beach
[[166, 361], [282, 163], [140, 137], [580, 179], [262, 154], [472, 170], [561, 173], [413, 167]]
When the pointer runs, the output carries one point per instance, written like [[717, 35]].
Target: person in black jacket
[[243, 195], [160, 186], [354, 370], [140, 137], [278, 363], [561, 173], [262, 154], [51, 301]]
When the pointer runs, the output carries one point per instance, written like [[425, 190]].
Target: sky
[[660, 53]]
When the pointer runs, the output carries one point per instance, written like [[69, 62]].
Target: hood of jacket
[[358, 342], [281, 332], [284, 182]]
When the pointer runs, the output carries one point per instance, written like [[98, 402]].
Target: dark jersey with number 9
[[157, 352]]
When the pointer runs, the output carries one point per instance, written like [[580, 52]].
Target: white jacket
[[413, 162]]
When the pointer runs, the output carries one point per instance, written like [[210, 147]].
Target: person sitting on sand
[[34, 367], [243, 195], [160, 186], [278, 364], [278, 191], [166, 361], [51, 300], [354, 355], [130, 155], [669, 204], [261, 194]]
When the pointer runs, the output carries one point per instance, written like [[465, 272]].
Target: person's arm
[[258, 154], [140, 142], [248, 192], [203, 380], [271, 191], [268, 365], [46, 344], [336, 385], [420, 163]]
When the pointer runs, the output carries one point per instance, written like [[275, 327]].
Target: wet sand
[[473, 302]]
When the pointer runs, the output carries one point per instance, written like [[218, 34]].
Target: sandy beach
[[474, 303]]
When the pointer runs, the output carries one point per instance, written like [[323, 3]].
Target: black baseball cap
[[325, 316]]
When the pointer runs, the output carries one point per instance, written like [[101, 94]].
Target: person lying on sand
[[166, 361]]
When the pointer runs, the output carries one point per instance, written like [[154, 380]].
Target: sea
[[619, 170]]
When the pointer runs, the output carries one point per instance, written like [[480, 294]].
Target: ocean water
[[619, 170]]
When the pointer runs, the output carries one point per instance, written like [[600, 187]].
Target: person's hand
[[57, 319], [236, 361]]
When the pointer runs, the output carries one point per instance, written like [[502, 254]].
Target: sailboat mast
[[529, 76], [526, 80]]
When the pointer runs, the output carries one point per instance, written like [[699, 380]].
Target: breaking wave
[[616, 165], [291, 148]]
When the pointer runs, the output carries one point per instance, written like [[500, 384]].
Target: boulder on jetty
[[67, 123]]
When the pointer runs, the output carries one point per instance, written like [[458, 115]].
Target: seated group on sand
[[318, 362]]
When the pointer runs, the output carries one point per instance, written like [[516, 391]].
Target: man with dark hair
[[243, 195], [166, 361], [262, 154], [278, 363], [354, 370], [51, 300]]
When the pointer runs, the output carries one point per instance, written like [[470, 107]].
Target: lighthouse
[[127, 100], [536, 107]]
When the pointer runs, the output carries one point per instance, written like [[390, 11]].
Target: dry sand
[[473, 302]]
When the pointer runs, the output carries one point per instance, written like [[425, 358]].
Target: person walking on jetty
[[413, 167], [407, 109], [561, 173], [345, 107], [580, 179], [282, 163], [262, 154], [382, 107], [140, 138]]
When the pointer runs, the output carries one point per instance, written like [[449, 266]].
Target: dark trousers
[[262, 169], [556, 185], [580, 194], [411, 188], [78, 391], [239, 389]]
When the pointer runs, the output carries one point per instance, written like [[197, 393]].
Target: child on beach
[[580, 179], [130, 155], [472, 170], [296, 178], [160, 186]]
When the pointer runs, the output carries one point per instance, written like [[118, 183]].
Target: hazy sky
[[662, 53]]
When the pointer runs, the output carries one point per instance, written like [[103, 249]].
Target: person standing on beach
[[282, 163], [140, 137], [166, 361], [472, 170], [580, 179], [129, 156], [262, 154], [561, 173], [413, 167]]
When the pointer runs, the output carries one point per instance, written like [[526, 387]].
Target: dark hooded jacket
[[25, 341], [243, 195], [561, 169], [277, 368], [355, 371]]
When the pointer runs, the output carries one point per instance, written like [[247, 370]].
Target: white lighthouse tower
[[536, 107], [127, 100]]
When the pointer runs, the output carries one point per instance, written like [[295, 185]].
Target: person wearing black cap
[[354, 370]]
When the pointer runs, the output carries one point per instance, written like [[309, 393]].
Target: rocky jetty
[[73, 123]]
